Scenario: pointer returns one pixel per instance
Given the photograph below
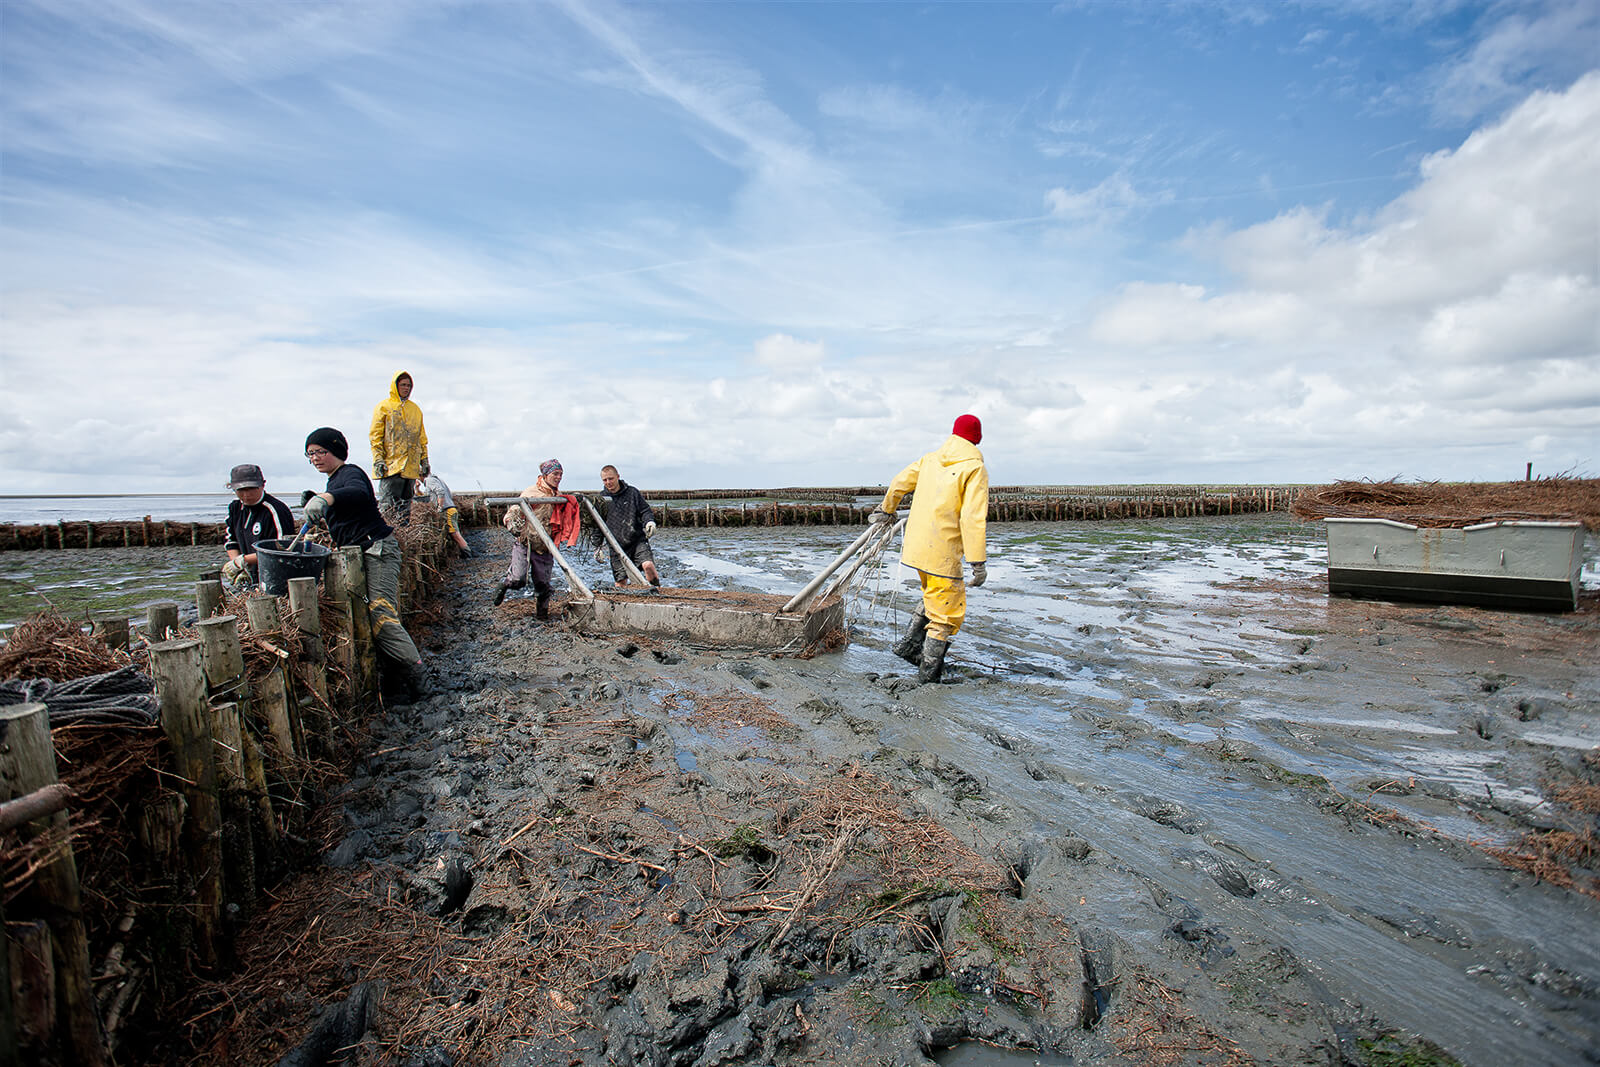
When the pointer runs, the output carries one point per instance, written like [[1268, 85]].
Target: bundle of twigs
[[49, 645], [1437, 504]]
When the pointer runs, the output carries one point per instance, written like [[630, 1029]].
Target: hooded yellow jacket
[[949, 511], [398, 440]]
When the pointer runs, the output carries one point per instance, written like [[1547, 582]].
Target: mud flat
[[1178, 807]]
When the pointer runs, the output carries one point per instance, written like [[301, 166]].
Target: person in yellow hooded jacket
[[948, 522], [399, 447]]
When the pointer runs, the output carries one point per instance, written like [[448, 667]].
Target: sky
[[780, 244]]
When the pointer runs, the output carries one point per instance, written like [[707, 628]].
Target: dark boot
[[931, 669], [500, 593], [909, 647], [415, 679], [541, 609]]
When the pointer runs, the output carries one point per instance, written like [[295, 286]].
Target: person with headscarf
[[399, 446], [349, 508], [529, 553], [949, 520]]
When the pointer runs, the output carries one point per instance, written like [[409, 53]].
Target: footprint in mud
[[1224, 872], [1168, 813]]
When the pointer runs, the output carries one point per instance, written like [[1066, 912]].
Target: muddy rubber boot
[[909, 647], [931, 669], [500, 593], [541, 609], [414, 682]]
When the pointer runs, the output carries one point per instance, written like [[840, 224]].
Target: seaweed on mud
[[1393, 1049], [1557, 854], [1149, 1022]]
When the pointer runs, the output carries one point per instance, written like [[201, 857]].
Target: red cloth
[[565, 520]]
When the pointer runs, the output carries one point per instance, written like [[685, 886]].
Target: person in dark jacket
[[256, 515], [631, 522], [350, 509]]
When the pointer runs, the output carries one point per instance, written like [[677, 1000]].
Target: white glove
[[316, 508], [600, 554], [649, 529], [379, 469], [879, 517], [234, 570], [980, 574]]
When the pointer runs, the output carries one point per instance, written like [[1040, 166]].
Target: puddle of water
[[974, 1054]]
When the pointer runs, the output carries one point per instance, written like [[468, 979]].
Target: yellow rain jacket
[[398, 440], [949, 511]]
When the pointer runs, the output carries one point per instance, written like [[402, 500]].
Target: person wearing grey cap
[[256, 515]]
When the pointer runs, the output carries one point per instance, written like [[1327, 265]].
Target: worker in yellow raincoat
[[399, 447], [949, 520]]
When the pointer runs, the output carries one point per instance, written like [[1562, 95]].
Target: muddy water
[[1185, 696]]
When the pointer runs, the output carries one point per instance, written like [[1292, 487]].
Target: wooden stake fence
[[239, 739]]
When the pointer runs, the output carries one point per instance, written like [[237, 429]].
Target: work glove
[[235, 571], [316, 509], [600, 554], [425, 468], [980, 574], [879, 517], [649, 529], [306, 494], [379, 469]]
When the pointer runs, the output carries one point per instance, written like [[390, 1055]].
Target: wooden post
[[347, 585], [306, 613], [208, 597], [113, 630], [222, 657], [238, 842], [181, 688], [261, 609], [162, 620], [27, 763]]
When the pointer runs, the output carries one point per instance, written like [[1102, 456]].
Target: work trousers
[[394, 495], [944, 602], [524, 560], [639, 552], [383, 602]]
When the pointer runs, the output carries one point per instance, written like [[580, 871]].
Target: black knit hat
[[331, 439]]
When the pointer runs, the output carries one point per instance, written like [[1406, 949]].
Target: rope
[[122, 697]]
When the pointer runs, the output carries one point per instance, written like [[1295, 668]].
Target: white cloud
[[784, 353]]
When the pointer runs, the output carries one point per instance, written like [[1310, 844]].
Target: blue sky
[[765, 244]]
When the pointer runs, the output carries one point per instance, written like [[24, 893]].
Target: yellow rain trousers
[[398, 440], [944, 602], [948, 522]]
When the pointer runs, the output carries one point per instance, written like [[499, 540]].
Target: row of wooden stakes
[[250, 717], [1171, 502]]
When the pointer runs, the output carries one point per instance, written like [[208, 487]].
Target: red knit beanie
[[969, 427]]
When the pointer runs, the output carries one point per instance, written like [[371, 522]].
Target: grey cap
[[246, 476]]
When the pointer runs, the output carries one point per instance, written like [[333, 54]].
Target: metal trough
[[1515, 564], [712, 618]]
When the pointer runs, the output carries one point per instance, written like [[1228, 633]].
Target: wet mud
[[1172, 805]]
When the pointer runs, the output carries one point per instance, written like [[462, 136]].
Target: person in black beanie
[[350, 509]]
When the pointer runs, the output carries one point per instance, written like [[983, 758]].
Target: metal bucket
[[277, 566]]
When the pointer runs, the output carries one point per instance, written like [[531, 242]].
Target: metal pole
[[616, 546], [868, 554], [812, 586], [572, 575]]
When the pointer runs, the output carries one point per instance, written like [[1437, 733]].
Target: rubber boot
[[500, 593], [909, 647], [415, 681], [541, 609], [931, 669]]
